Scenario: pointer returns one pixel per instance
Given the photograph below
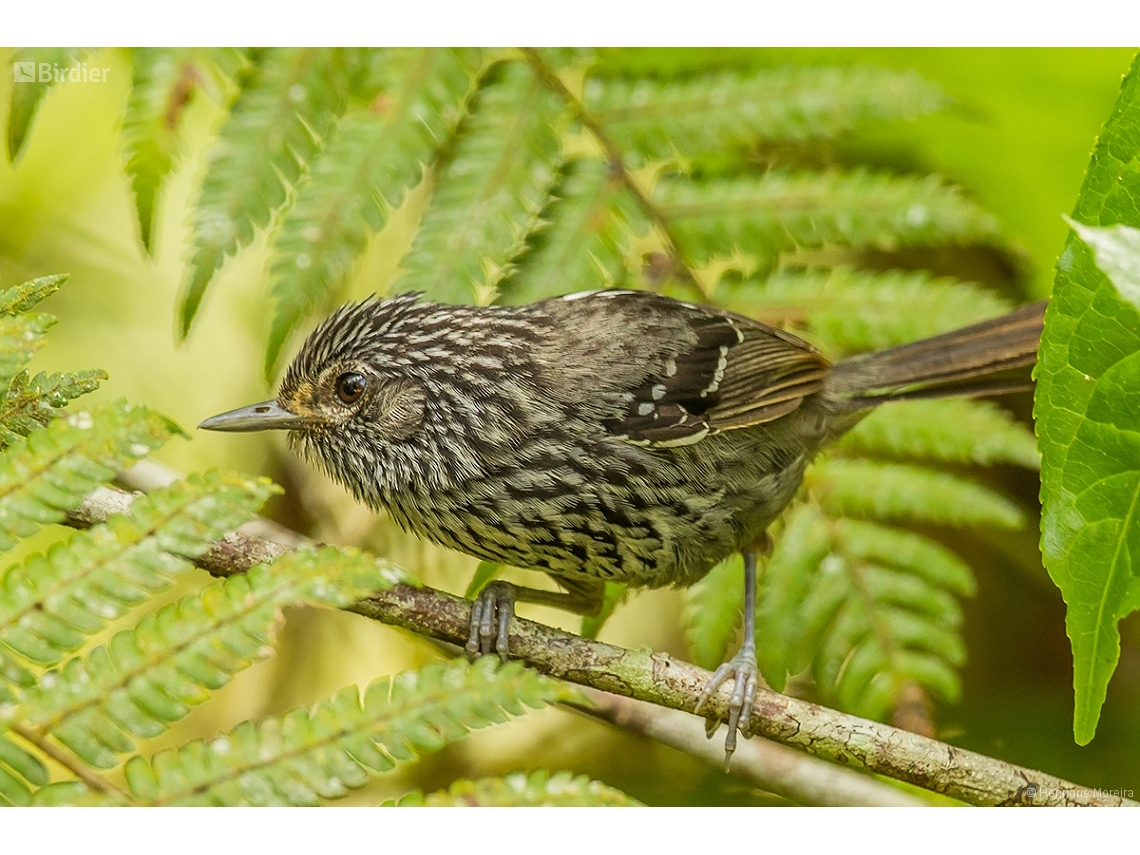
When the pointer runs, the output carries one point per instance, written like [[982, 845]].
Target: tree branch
[[774, 768], [660, 679]]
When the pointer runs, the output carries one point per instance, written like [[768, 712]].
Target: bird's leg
[[742, 667], [491, 614]]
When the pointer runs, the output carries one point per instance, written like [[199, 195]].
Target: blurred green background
[[1018, 139]]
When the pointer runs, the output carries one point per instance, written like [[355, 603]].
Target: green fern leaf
[[152, 675], [918, 555], [491, 189], [583, 239], [163, 82], [713, 608], [16, 767], [21, 298], [865, 629], [724, 110], [21, 336], [852, 311], [26, 96], [289, 102], [373, 159], [538, 789], [49, 472], [781, 211], [877, 640], [899, 492], [782, 588], [50, 604], [952, 431], [304, 756], [30, 404]]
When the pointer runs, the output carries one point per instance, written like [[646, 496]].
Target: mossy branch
[[660, 679]]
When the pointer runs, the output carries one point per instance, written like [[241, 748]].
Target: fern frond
[[47, 473], [787, 579], [876, 641], [781, 211], [491, 189], [582, 241], [51, 603], [899, 492], [864, 628], [30, 404], [713, 608], [851, 311], [518, 789], [287, 104], [16, 767], [954, 430], [26, 96], [722, 110], [163, 82], [373, 158], [152, 675], [20, 298], [21, 336], [305, 756], [918, 555]]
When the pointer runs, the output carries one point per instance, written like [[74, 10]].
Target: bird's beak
[[264, 416]]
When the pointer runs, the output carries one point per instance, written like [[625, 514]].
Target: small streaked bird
[[607, 436]]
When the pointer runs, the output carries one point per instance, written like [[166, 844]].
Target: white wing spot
[[645, 409], [670, 367], [658, 391]]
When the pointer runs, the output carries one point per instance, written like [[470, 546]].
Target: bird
[[604, 436]]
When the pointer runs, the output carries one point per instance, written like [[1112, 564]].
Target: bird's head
[[396, 395]]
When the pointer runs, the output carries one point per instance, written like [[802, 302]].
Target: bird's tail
[[988, 358]]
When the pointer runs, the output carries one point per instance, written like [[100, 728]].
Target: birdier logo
[[50, 72]]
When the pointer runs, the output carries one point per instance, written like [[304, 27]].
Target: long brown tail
[[984, 359]]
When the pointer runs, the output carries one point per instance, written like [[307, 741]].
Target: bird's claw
[[743, 671], [491, 619]]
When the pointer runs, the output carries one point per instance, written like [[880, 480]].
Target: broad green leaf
[[721, 110], [289, 100], [373, 158], [1088, 398], [1117, 251], [490, 191]]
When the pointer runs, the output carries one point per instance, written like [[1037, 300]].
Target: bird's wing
[[734, 372]]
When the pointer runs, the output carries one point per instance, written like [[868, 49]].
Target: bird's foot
[[743, 670], [490, 619]]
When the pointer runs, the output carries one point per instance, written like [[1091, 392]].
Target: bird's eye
[[349, 387]]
